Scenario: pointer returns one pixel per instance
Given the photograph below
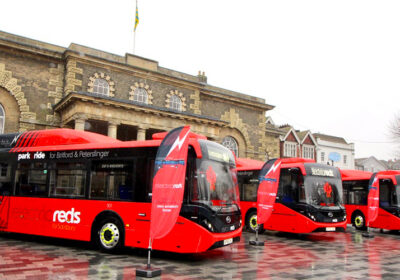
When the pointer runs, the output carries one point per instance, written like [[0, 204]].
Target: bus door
[[4, 209], [5, 191], [388, 201]]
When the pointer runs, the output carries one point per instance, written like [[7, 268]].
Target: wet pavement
[[285, 256]]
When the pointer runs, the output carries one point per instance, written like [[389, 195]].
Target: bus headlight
[[208, 225], [311, 216]]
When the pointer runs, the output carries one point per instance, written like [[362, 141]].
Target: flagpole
[[134, 32], [134, 41]]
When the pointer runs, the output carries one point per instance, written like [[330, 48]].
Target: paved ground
[[317, 256]]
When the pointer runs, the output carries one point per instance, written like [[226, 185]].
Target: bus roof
[[348, 174], [63, 139], [70, 139], [161, 135], [251, 164], [389, 172], [248, 164]]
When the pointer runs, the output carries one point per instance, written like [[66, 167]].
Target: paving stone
[[284, 256]]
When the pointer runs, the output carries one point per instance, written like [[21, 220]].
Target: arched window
[[2, 119], [231, 144], [100, 86], [175, 103], [140, 95]]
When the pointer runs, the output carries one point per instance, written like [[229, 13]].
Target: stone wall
[[35, 76]]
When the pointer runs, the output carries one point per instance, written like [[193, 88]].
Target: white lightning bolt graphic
[[178, 143], [273, 168], [15, 139]]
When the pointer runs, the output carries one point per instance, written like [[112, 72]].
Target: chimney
[[202, 77]]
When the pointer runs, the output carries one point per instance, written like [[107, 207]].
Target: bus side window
[[112, 180], [68, 179], [355, 192], [291, 186], [5, 179], [249, 185], [385, 189], [144, 179], [284, 186], [31, 179]]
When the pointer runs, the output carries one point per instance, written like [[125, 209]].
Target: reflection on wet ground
[[285, 256]]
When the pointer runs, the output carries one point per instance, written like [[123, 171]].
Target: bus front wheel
[[251, 222], [358, 221], [109, 235]]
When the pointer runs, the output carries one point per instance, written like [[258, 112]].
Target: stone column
[[112, 130], [80, 124], [141, 134]]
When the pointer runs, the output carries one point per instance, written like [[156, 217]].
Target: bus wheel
[[251, 222], [358, 221], [110, 235]]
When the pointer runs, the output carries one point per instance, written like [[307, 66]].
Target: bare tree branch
[[394, 131]]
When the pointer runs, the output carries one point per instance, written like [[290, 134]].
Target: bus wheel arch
[[358, 220], [108, 231], [251, 221]]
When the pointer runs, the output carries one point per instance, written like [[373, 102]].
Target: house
[[295, 143], [371, 164], [334, 150]]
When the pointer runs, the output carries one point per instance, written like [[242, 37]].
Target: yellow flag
[[136, 17]]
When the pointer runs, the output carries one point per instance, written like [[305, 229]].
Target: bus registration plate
[[330, 229], [228, 241]]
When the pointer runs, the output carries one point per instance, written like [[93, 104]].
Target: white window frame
[[308, 151], [2, 119], [231, 143], [101, 86], [322, 156], [290, 149], [175, 103], [140, 94]]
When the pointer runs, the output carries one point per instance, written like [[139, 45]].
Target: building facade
[[334, 151], [43, 86], [371, 164], [295, 143]]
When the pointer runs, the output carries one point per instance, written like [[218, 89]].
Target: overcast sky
[[328, 66]]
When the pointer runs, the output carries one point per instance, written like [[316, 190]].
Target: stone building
[[43, 86]]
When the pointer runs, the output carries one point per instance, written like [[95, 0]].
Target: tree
[[394, 130]]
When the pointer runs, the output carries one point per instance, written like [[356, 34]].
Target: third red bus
[[355, 196], [309, 197]]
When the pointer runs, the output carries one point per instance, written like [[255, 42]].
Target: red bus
[[309, 197], [355, 196], [79, 185]]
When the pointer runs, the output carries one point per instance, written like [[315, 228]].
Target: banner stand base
[[368, 235], [148, 272], [256, 243]]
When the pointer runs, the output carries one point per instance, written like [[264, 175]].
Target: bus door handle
[[142, 214]]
